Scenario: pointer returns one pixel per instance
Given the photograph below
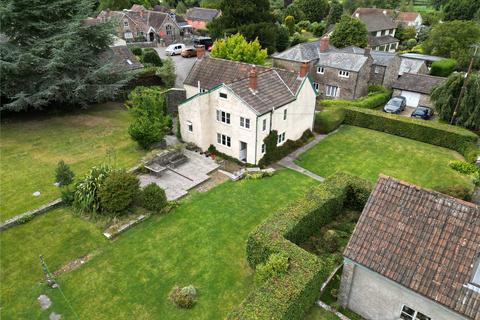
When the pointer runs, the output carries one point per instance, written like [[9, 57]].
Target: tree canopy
[[453, 39], [445, 99], [335, 13], [314, 10], [461, 9], [349, 32], [238, 49], [52, 57]]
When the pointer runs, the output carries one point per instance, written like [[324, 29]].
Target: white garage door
[[413, 98]]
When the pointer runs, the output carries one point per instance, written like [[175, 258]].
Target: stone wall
[[35, 212]]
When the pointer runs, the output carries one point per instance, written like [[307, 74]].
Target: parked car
[[207, 42], [174, 49], [189, 52], [395, 105], [422, 112]]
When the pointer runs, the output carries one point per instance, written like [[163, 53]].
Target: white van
[[174, 49]]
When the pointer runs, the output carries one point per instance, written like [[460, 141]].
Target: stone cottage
[[416, 88]]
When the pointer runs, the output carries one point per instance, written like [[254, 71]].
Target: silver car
[[395, 105]]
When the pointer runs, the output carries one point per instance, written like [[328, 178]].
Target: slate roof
[[302, 52], [381, 58], [140, 16], [275, 87], [202, 14], [375, 19], [121, 57], [423, 240], [421, 83], [420, 56], [410, 66], [342, 60], [380, 41]]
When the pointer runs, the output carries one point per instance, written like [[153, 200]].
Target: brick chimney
[[324, 44], [253, 79], [303, 70], [200, 52]]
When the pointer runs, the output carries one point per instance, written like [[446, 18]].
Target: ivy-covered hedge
[[376, 97], [435, 133], [443, 68], [291, 295]]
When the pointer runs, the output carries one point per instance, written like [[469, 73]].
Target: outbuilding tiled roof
[[421, 83], [426, 241], [411, 66], [375, 19], [275, 87], [202, 14]]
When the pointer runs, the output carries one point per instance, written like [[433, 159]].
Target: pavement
[[182, 65]]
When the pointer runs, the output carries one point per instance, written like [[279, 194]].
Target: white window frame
[[189, 126], [245, 122], [281, 138], [222, 93], [128, 35], [224, 117], [316, 86], [414, 316], [264, 148], [332, 91], [320, 70], [344, 73], [285, 114], [169, 29], [224, 140], [264, 125]]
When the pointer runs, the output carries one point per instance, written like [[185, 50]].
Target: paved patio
[[176, 182]]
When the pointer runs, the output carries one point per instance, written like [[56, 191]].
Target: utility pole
[[464, 86]]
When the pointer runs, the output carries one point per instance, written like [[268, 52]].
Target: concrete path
[[288, 161]]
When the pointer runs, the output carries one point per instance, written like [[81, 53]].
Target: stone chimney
[[253, 79], [303, 70], [200, 52], [324, 44], [367, 51]]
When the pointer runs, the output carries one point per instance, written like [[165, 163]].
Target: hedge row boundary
[[377, 96], [439, 134], [291, 295]]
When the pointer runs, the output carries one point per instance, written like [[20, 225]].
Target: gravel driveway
[[182, 66]]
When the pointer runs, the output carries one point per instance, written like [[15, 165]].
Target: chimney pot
[[324, 44], [253, 78], [200, 51], [303, 70]]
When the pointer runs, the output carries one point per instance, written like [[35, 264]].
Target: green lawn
[[366, 153], [30, 149], [202, 242]]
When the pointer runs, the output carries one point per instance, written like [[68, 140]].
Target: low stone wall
[[35, 212]]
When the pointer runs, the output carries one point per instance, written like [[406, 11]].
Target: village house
[[409, 19], [141, 25], [199, 17], [414, 254], [416, 88], [381, 28], [234, 106]]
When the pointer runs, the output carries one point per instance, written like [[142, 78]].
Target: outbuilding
[[416, 88]]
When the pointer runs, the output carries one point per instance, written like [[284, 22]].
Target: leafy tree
[[283, 38], [294, 10], [290, 24], [181, 8], [63, 174], [405, 33], [349, 32], [437, 4], [335, 13], [52, 56], [147, 131], [461, 9], [215, 4], [265, 32], [167, 72], [114, 4], [238, 49], [445, 99], [315, 10], [453, 39], [317, 28], [151, 57]]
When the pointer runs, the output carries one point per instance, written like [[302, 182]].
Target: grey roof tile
[[342, 60], [421, 83], [203, 14], [375, 19]]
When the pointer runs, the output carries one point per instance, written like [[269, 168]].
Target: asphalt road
[[182, 66]]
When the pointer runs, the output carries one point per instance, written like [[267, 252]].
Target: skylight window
[[129, 61]]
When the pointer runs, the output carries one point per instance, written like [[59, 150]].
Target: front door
[[243, 151], [152, 36]]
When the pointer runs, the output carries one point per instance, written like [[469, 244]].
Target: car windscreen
[[395, 102]]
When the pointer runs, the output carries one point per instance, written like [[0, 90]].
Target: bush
[[118, 191], [63, 174], [183, 297], [67, 197], [167, 73], [276, 265], [153, 198], [435, 133], [471, 153], [147, 131], [86, 198], [464, 167], [443, 68], [317, 28], [328, 120], [298, 38], [376, 97], [151, 57], [459, 192], [136, 51], [257, 175], [303, 25]]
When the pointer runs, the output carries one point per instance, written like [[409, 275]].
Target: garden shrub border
[[291, 296], [376, 97]]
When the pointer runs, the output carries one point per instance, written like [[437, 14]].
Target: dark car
[[207, 42], [395, 105], [422, 112]]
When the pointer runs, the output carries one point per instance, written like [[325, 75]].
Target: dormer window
[[320, 70], [343, 74]]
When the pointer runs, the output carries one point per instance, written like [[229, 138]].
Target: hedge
[[328, 120], [439, 134], [377, 97], [291, 295], [443, 68]]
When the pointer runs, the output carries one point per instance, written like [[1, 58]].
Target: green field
[[367, 153], [202, 242], [30, 149]]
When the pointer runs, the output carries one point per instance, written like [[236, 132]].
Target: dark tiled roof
[[275, 87], [302, 52], [202, 14], [375, 19], [342, 60], [421, 83], [423, 240], [122, 58], [380, 41], [139, 15], [381, 58], [410, 66]]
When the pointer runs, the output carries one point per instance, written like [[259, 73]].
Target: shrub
[[167, 73], [153, 198], [183, 297], [67, 197], [118, 191], [136, 51], [328, 120], [86, 198], [438, 134], [317, 28], [298, 38], [443, 68], [332, 240], [276, 265], [257, 175], [459, 192], [63, 174], [376, 97], [463, 167], [147, 131], [151, 57], [303, 25], [471, 153]]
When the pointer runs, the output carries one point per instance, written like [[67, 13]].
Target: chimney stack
[[303, 70], [324, 44], [253, 79], [367, 51], [200, 52]]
